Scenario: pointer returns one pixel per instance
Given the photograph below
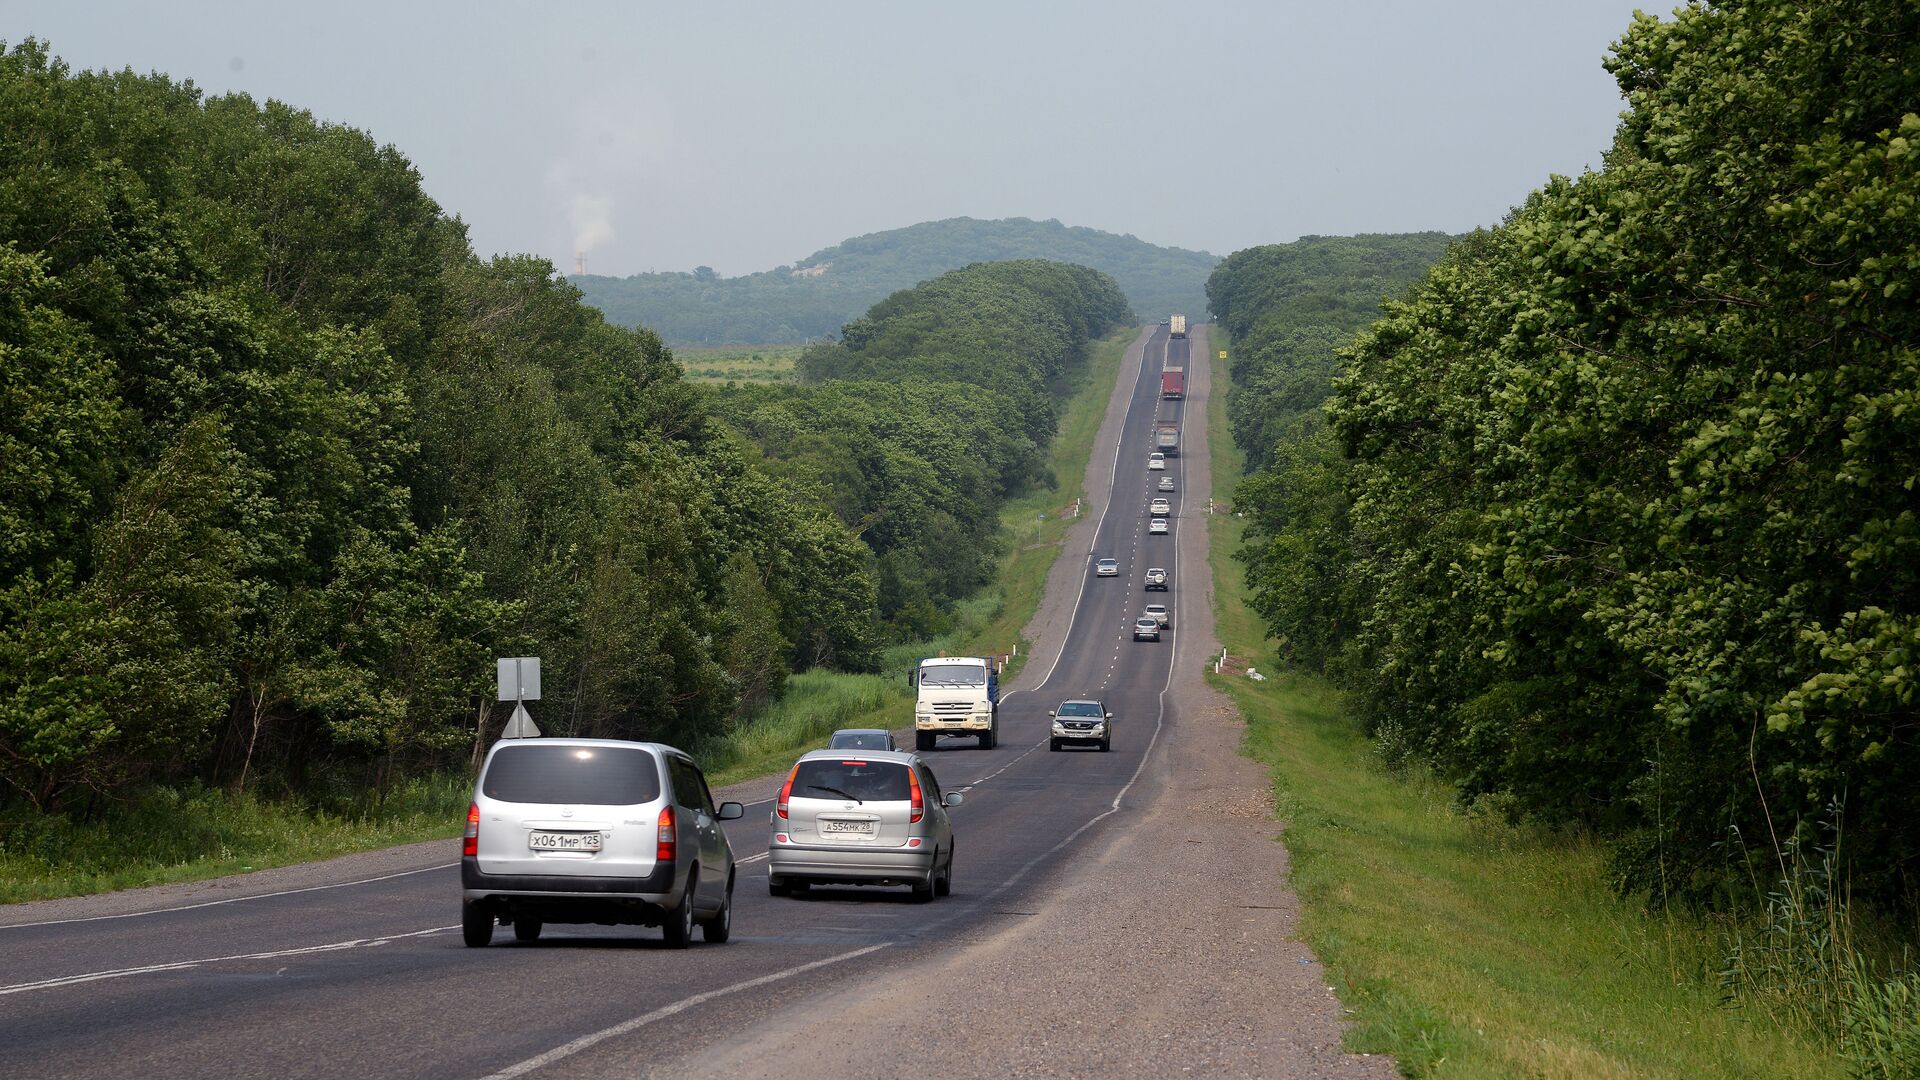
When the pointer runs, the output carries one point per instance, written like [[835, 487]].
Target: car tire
[[923, 890], [678, 928], [943, 885], [1053, 745], [526, 929], [778, 888], [1106, 744], [719, 928], [476, 924], [922, 740], [987, 740]]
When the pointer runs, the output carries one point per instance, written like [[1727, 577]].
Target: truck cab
[[956, 695]]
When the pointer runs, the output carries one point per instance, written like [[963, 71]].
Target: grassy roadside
[[745, 363], [197, 833], [1460, 944]]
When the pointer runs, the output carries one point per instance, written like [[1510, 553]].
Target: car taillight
[[669, 841], [913, 795], [786, 792], [471, 845]]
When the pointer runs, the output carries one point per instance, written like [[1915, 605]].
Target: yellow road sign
[[1223, 354]]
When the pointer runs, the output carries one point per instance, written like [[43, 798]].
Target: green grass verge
[[1461, 944], [189, 834], [741, 363]]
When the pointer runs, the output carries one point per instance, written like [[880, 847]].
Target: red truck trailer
[[1173, 383]]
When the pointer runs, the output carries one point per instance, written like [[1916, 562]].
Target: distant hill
[[816, 296]]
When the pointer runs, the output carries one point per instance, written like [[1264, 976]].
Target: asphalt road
[[370, 977]]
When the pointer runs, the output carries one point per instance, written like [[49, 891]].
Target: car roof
[[1162, 607], [863, 731], [903, 757], [1106, 558], [1151, 569], [1148, 618], [1081, 701]]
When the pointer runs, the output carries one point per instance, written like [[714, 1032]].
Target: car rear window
[[865, 740], [584, 775], [867, 781]]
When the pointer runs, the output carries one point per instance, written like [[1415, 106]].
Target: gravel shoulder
[[1170, 946]]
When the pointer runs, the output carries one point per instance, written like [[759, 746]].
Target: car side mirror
[[730, 810], [1050, 712], [953, 798]]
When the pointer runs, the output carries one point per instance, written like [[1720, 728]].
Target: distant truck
[[1173, 383], [1178, 326], [1166, 437], [956, 695]]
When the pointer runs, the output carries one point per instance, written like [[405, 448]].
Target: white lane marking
[[566, 1050], [1113, 476], [751, 858], [231, 899], [121, 973]]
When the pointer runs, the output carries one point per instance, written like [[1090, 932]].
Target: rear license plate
[[829, 827], [564, 841]]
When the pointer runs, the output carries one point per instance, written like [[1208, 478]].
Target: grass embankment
[[1463, 945], [172, 836], [742, 363]]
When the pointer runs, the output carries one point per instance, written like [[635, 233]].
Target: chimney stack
[[580, 262]]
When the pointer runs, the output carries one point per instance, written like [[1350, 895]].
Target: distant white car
[[1166, 483], [1159, 611], [1156, 460], [1106, 568], [1160, 507], [1157, 527]]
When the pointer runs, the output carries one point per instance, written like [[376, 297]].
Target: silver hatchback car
[[866, 818], [595, 831]]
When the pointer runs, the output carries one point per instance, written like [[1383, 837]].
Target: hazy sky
[[745, 136]]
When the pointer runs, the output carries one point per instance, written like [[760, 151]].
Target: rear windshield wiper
[[835, 791]]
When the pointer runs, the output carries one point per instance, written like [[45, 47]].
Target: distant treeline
[[283, 466], [1615, 518], [927, 413], [813, 298]]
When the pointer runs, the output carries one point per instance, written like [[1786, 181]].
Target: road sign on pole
[[519, 678]]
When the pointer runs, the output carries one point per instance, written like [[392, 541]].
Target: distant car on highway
[[1083, 721], [595, 831], [1156, 579], [1157, 527], [860, 738], [1156, 461], [1106, 568], [1159, 507], [876, 817], [1166, 483], [1160, 613], [1146, 628]]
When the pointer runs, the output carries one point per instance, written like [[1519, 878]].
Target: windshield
[[860, 740], [1080, 708], [532, 772], [861, 781], [954, 674]]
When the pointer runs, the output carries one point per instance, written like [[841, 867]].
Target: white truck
[[956, 695], [1177, 326]]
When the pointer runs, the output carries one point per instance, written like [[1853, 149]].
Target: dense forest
[[1611, 519], [283, 465], [927, 413], [812, 298]]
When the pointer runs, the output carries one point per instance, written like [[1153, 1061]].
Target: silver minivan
[[595, 831], [868, 818]]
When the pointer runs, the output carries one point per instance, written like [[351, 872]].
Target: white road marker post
[[519, 678]]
